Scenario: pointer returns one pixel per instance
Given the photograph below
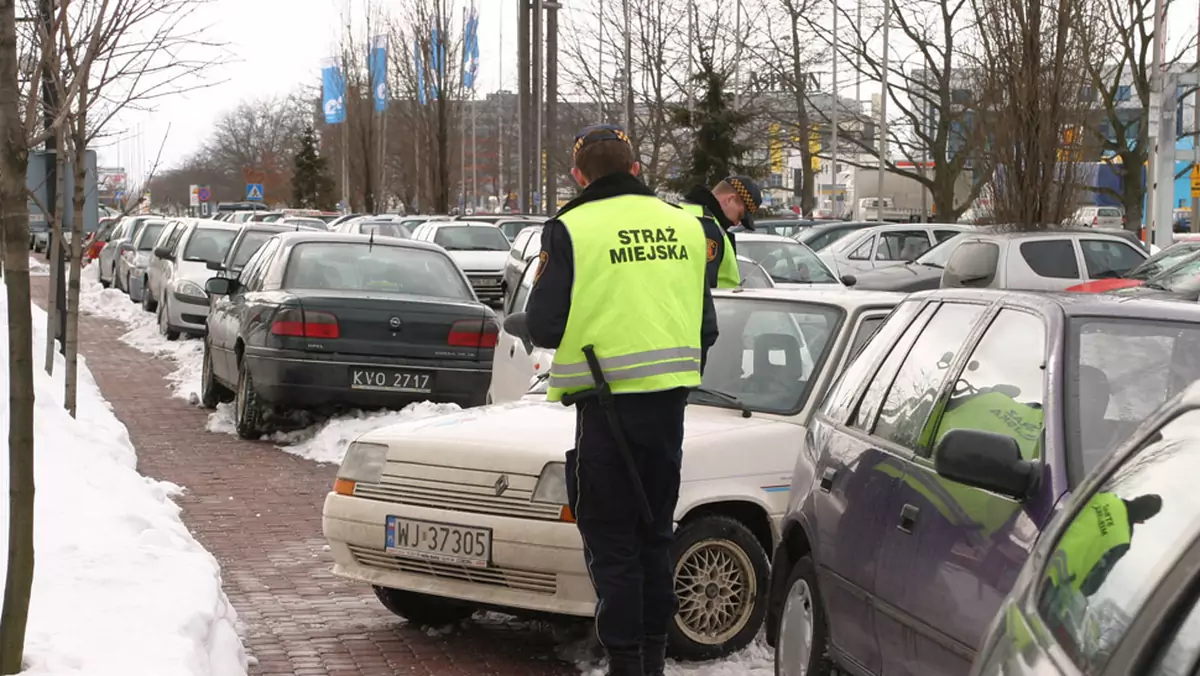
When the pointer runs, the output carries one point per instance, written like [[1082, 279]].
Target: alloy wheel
[[716, 585]]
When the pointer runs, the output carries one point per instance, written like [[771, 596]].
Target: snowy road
[[258, 510]]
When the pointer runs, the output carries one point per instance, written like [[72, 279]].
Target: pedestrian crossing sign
[[254, 192]]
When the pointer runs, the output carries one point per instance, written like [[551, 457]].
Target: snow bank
[[121, 587]]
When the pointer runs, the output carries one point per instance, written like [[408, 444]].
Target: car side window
[[519, 243], [1181, 652], [1106, 259], [902, 245], [866, 328], [522, 295], [1051, 258], [972, 264], [911, 398], [943, 235], [533, 245], [250, 270], [841, 397], [887, 370], [863, 252], [1002, 387], [1108, 561], [172, 241], [255, 281]]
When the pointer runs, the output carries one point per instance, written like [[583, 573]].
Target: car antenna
[[370, 240]]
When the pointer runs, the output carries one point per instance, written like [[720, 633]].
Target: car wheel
[[148, 303], [802, 643], [164, 322], [423, 609], [247, 410], [721, 574], [211, 392], [104, 283]]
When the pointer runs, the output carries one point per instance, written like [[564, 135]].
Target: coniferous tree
[[312, 186]]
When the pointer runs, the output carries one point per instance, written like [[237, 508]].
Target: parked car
[[789, 263], [96, 244], [1110, 588], [486, 478], [131, 266], [411, 222], [942, 452], [1108, 218], [248, 241], [1172, 256], [511, 227], [334, 223], [525, 247], [921, 274], [1049, 260], [323, 321], [118, 241], [818, 237], [885, 245], [480, 249], [304, 222], [381, 227], [1181, 282], [176, 277]]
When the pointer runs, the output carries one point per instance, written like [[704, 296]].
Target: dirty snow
[[121, 588]]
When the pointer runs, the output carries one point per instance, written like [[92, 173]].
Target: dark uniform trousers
[[629, 563]]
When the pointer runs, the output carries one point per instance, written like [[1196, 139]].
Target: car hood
[[809, 285], [911, 277], [1160, 294], [480, 261], [1102, 285], [522, 436]]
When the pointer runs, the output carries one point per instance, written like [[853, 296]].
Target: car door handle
[[908, 518], [827, 478], [512, 350]]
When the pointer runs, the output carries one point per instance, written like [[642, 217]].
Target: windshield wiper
[[1156, 286], [726, 397]]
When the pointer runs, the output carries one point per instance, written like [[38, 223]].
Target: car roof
[[850, 299], [1079, 304], [294, 237], [888, 227], [266, 227], [1000, 232], [215, 225]]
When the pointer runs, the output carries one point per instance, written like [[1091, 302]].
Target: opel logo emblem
[[394, 322], [501, 485]]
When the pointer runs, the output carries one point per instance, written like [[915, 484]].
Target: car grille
[[540, 583], [458, 490]]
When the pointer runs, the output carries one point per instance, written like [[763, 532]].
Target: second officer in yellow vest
[[731, 202], [623, 272]]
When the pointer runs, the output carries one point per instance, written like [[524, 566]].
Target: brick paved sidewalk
[[258, 510]]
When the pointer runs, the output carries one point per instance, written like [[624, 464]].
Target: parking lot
[[258, 510]]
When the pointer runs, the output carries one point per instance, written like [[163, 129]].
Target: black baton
[[603, 394]]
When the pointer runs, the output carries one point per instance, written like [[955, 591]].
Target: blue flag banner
[[419, 66], [377, 69], [471, 50], [333, 92], [437, 61]]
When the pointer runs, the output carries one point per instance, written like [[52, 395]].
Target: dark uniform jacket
[[550, 298], [715, 225]]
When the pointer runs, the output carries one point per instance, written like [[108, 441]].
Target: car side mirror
[[215, 266], [849, 280], [986, 460], [220, 286], [125, 247], [162, 252], [516, 325]]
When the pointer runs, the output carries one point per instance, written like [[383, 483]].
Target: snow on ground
[[38, 268], [121, 587], [325, 441]]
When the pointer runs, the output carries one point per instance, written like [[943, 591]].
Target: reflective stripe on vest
[[637, 296]]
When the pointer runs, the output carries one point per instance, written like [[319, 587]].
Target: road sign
[[204, 209], [204, 193], [194, 195], [1196, 180], [254, 192]]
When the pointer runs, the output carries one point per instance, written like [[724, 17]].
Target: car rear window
[[787, 262], [209, 245], [149, 235], [471, 238], [385, 229], [1110, 213], [818, 240], [351, 266], [972, 264], [1051, 258], [250, 243]]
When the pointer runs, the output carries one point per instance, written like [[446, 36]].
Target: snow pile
[[121, 587], [38, 268]]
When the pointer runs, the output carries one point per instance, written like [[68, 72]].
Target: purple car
[[939, 456]]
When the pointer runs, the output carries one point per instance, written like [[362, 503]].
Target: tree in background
[[312, 186], [716, 126]]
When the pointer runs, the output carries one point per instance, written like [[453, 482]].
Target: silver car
[[883, 246], [131, 264], [112, 249], [179, 270], [1049, 260]]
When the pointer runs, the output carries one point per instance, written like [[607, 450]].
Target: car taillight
[[300, 323], [473, 333], [1095, 221]]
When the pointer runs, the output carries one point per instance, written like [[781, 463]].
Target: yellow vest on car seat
[[728, 275], [638, 261]]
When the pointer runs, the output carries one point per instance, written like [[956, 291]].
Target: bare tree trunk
[[14, 219], [71, 332], [53, 250]]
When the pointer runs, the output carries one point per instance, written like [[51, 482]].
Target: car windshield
[[787, 262], [148, 234], [384, 229], [249, 245], [1121, 370], [1163, 261], [818, 239], [471, 238], [1183, 278], [353, 266], [209, 245], [753, 276], [769, 353], [940, 253]]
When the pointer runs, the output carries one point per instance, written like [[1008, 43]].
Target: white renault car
[[791, 264], [480, 249], [447, 515]]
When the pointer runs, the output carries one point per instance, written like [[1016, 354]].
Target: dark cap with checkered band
[[751, 195], [597, 133]]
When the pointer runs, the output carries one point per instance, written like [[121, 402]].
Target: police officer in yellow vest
[[732, 202], [623, 271], [1098, 538]]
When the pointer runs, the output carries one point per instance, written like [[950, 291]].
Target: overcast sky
[[277, 45]]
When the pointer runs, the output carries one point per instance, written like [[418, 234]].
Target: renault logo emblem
[[394, 322], [501, 485]]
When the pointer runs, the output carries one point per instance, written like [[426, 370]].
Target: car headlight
[[190, 289], [363, 462], [552, 484]]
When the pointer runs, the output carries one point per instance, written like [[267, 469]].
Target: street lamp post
[[883, 97]]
